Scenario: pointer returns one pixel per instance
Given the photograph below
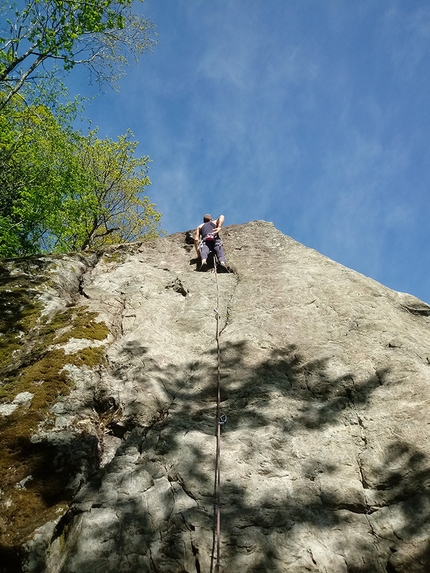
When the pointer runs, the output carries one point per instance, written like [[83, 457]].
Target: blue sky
[[312, 114]]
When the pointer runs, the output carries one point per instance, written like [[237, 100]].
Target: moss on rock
[[78, 323], [35, 478], [19, 312]]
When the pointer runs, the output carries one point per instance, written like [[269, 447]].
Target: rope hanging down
[[221, 419]]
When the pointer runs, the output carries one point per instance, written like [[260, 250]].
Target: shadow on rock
[[283, 509]]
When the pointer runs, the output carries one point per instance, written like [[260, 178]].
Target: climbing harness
[[209, 239], [221, 419]]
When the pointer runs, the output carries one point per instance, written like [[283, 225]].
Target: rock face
[[325, 375]]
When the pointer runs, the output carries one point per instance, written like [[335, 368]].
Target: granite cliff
[[108, 413]]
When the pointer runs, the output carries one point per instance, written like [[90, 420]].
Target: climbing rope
[[221, 419]]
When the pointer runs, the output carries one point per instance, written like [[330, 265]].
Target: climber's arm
[[219, 223], [197, 238]]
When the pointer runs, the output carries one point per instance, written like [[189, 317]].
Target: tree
[[35, 163], [63, 191], [98, 34], [112, 206]]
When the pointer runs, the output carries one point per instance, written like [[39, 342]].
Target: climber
[[207, 240]]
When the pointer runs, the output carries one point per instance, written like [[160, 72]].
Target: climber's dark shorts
[[213, 246]]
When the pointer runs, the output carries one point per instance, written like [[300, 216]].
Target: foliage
[[98, 34], [62, 191], [112, 207], [35, 162]]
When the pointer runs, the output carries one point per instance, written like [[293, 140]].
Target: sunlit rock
[[325, 377]]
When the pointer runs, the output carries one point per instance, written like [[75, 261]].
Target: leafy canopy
[[98, 34], [63, 191], [112, 206]]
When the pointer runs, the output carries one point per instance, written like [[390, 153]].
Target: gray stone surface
[[21, 399], [325, 457]]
